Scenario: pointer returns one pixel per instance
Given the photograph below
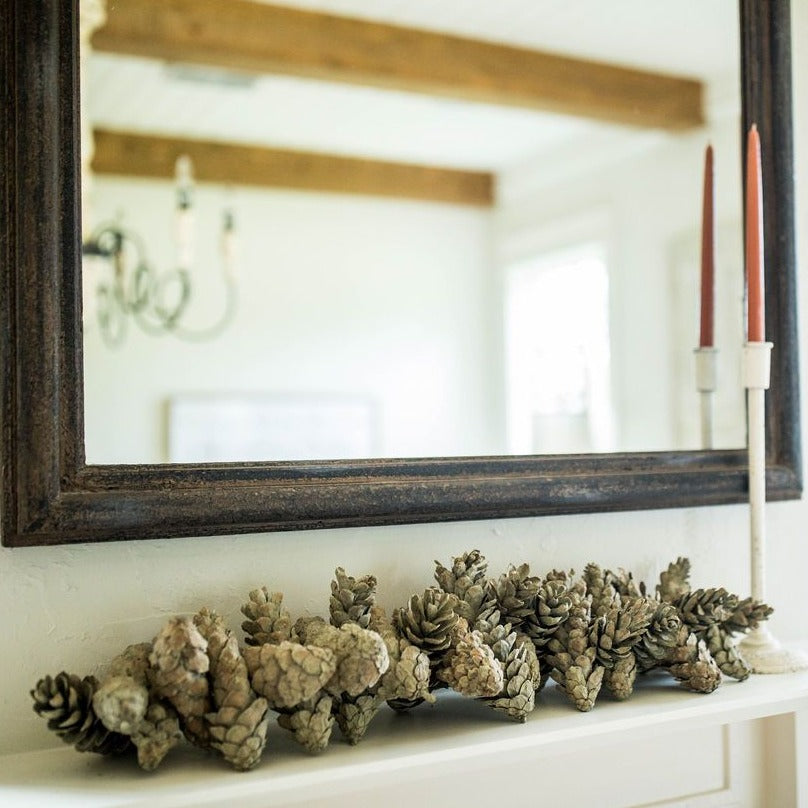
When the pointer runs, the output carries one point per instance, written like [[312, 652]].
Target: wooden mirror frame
[[51, 496]]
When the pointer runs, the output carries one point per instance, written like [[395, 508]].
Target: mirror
[[556, 314], [51, 494]]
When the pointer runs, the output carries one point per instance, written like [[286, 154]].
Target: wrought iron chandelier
[[130, 289]]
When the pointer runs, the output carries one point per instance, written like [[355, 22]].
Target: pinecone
[[616, 632], [723, 650], [123, 702], [179, 664], [466, 579], [428, 621], [66, 701], [748, 614], [619, 679], [551, 608], [690, 662], [515, 592], [624, 584], [354, 715], [352, 599], [521, 672], [573, 657], [360, 654], [661, 636], [238, 727], [289, 673], [599, 586], [471, 668], [407, 680], [267, 620], [311, 722], [675, 581], [703, 608]]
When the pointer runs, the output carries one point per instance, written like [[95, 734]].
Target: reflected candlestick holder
[[706, 383], [762, 652]]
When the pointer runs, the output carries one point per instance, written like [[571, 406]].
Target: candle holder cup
[[706, 383]]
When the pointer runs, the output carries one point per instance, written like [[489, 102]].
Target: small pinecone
[[748, 614], [354, 715], [675, 581], [156, 735], [352, 599], [599, 586], [466, 579], [311, 722], [703, 608], [723, 650], [619, 679], [661, 636], [240, 734], [552, 607], [515, 592], [360, 654], [690, 662], [471, 668], [521, 670], [615, 633], [407, 680], [289, 673], [66, 701], [267, 621], [428, 621], [179, 666], [624, 584]]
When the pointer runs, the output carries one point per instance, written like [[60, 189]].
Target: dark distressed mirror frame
[[51, 496]]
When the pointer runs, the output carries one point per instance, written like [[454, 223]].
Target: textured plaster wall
[[71, 607]]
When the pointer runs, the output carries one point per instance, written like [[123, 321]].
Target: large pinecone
[[615, 633], [428, 621], [66, 701], [521, 672], [661, 636], [551, 608], [515, 592], [352, 599], [703, 608]]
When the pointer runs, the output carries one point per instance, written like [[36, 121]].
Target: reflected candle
[[754, 240], [707, 254]]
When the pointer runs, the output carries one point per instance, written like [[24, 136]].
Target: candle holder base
[[764, 654]]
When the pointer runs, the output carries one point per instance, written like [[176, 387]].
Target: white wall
[[379, 298], [70, 607]]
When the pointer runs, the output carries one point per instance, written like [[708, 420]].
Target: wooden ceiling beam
[[150, 156], [254, 37]]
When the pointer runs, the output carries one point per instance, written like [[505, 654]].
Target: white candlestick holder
[[762, 652], [706, 383]]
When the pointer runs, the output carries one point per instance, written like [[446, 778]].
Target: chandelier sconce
[[131, 289]]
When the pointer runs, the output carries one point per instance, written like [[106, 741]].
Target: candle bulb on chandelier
[[184, 216]]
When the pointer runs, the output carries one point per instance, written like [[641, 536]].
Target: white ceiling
[[687, 37]]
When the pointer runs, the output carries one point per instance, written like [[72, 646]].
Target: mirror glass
[[463, 276]]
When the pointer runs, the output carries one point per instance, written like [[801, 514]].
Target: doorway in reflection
[[558, 362]]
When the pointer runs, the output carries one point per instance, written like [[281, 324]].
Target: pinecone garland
[[427, 622], [66, 701], [675, 581], [351, 599], [267, 620], [466, 580]]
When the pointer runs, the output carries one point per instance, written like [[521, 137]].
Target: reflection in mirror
[[462, 274]]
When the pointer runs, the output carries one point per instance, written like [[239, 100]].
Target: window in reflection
[[558, 358]]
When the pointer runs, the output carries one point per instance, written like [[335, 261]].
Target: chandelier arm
[[213, 330]]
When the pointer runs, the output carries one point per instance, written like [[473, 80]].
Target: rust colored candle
[[707, 254], [754, 240]]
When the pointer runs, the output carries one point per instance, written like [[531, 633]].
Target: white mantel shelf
[[457, 738]]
